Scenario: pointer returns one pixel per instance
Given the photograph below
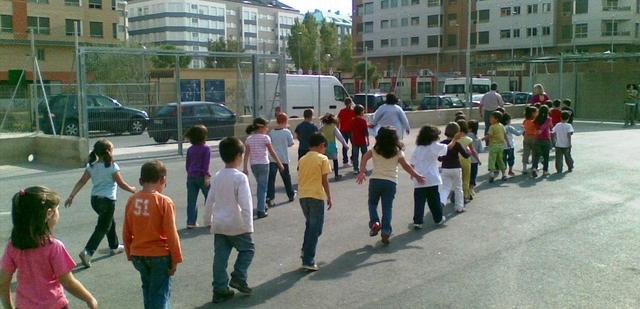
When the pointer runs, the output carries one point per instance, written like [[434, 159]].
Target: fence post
[[178, 105], [283, 84], [255, 84], [83, 122], [561, 76]]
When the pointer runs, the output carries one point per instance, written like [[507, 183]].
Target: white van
[[302, 94], [455, 86]]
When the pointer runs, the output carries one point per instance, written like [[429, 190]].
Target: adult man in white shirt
[[488, 104]]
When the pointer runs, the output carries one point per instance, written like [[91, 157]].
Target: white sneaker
[[442, 221], [118, 250], [85, 257], [346, 165], [417, 226], [313, 267]]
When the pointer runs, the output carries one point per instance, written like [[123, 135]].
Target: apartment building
[[260, 26], [431, 34], [99, 22], [342, 22]]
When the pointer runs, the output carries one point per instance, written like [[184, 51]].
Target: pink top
[[258, 152], [543, 98], [544, 130], [39, 274]]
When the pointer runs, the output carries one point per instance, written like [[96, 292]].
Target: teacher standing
[[488, 104], [391, 114]]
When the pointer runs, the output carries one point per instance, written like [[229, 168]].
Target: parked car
[[375, 100], [219, 120], [440, 101], [104, 114], [478, 97], [515, 97]]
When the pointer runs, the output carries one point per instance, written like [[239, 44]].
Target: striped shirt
[[258, 152]]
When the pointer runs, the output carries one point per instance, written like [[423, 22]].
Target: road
[[569, 240]]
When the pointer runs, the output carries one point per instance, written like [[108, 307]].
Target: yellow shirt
[[384, 168], [465, 142], [311, 168], [497, 134]]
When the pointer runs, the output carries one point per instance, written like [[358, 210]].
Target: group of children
[[151, 241]]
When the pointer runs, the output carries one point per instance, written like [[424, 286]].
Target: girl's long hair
[[387, 143], [100, 151], [543, 114], [29, 216], [328, 118], [257, 123]]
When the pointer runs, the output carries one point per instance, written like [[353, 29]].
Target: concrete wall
[[60, 151]]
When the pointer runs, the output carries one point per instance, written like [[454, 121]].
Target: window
[[95, 29], [394, 23], [405, 2], [360, 10], [384, 4], [415, 21], [515, 11], [70, 26], [114, 30], [404, 22], [415, 41], [483, 16], [6, 23], [72, 2], [483, 37], [432, 3], [546, 7], [113, 5], [532, 9], [40, 54], [404, 42], [567, 8], [384, 24], [393, 3], [433, 41], [415, 2], [368, 8], [433, 21], [516, 33], [39, 25], [546, 30], [394, 42], [505, 11], [384, 43], [505, 34], [95, 4], [368, 27], [38, 1], [452, 40], [566, 32], [424, 87], [532, 32], [582, 6], [582, 31], [100, 101], [452, 19], [368, 45]]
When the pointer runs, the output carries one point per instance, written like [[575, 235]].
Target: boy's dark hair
[[29, 216], [494, 86], [451, 129], [556, 103], [387, 143], [473, 126], [257, 123], [458, 113], [565, 115], [464, 128], [230, 148], [497, 115], [428, 134], [548, 103], [316, 140], [391, 98], [543, 114], [567, 102], [460, 117], [348, 101], [197, 134], [100, 150], [152, 171], [359, 109], [307, 114], [505, 119], [529, 111]]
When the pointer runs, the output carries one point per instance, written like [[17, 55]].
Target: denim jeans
[[313, 210], [156, 281], [222, 245], [509, 157], [345, 150], [542, 148], [356, 154], [474, 174], [105, 208], [195, 185], [286, 179], [384, 191], [261, 173], [431, 196]]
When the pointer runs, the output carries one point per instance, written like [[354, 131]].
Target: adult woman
[[539, 95], [630, 104], [391, 115]]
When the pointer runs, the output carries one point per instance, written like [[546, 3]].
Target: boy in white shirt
[[230, 218], [562, 133]]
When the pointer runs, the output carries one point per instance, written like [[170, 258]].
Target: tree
[[107, 68], [302, 44], [162, 62], [222, 45], [328, 44], [372, 72], [345, 56]]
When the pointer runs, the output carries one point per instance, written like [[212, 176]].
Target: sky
[[323, 5]]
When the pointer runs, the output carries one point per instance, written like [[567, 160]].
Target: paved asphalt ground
[[567, 241]]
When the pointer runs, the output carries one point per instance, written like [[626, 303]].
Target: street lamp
[[299, 58]]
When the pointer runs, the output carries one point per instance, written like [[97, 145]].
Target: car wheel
[[71, 128], [161, 139], [137, 126]]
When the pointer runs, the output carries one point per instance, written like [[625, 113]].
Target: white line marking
[[5, 213]]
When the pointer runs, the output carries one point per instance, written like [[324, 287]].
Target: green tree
[[302, 44], [161, 62], [110, 68], [328, 44], [372, 75], [222, 45], [345, 56]]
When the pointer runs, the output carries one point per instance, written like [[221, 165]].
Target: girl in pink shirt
[[543, 141], [43, 262]]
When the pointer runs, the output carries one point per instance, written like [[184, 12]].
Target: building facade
[[343, 23], [53, 22], [430, 36], [259, 26]]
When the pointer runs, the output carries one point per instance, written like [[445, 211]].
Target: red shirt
[[345, 117], [359, 132], [539, 98], [556, 116]]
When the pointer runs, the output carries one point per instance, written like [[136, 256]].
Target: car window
[[339, 93], [220, 111], [103, 102], [201, 110]]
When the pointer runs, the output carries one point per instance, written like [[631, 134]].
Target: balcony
[[616, 8], [616, 33]]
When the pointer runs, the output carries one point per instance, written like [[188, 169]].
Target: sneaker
[[511, 173], [338, 177], [417, 226], [375, 228], [118, 250], [262, 214], [346, 165], [545, 174], [85, 257], [192, 226], [385, 239], [570, 170], [270, 203], [461, 210], [504, 178], [467, 200], [534, 173], [293, 197], [313, 267], [220, 296], [491, 178], [442, 221], [241, 286]]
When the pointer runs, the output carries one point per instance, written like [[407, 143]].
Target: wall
[[61, 151]]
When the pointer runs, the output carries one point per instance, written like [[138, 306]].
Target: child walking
[[467, 144], [304, 131], [43, 264], [497, 138], [477, 145], [451, 170], [258, 146], [313, 186], [331, 133], [425, 161], [150, 237], [543, 141], [530, 132], [281, 139], [231, 219], [509, 152], [106, 178], [359, 137], [386, 155], [563, 132], [198, 175]]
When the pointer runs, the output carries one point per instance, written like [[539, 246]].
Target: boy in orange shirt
[[150, 237]]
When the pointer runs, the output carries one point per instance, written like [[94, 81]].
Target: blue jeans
[[313, 210], [384, 191], [156, 282], [345, 155], [222, 245], [194, 186], [356, 152], [286, 179], [106, 225], [261, 173], [509, 157]]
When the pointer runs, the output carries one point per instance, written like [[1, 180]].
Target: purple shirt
[[198, 158], [451, 159]]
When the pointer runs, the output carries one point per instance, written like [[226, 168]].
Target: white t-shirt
[[229, 207], [562, 131], [425, 160]]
